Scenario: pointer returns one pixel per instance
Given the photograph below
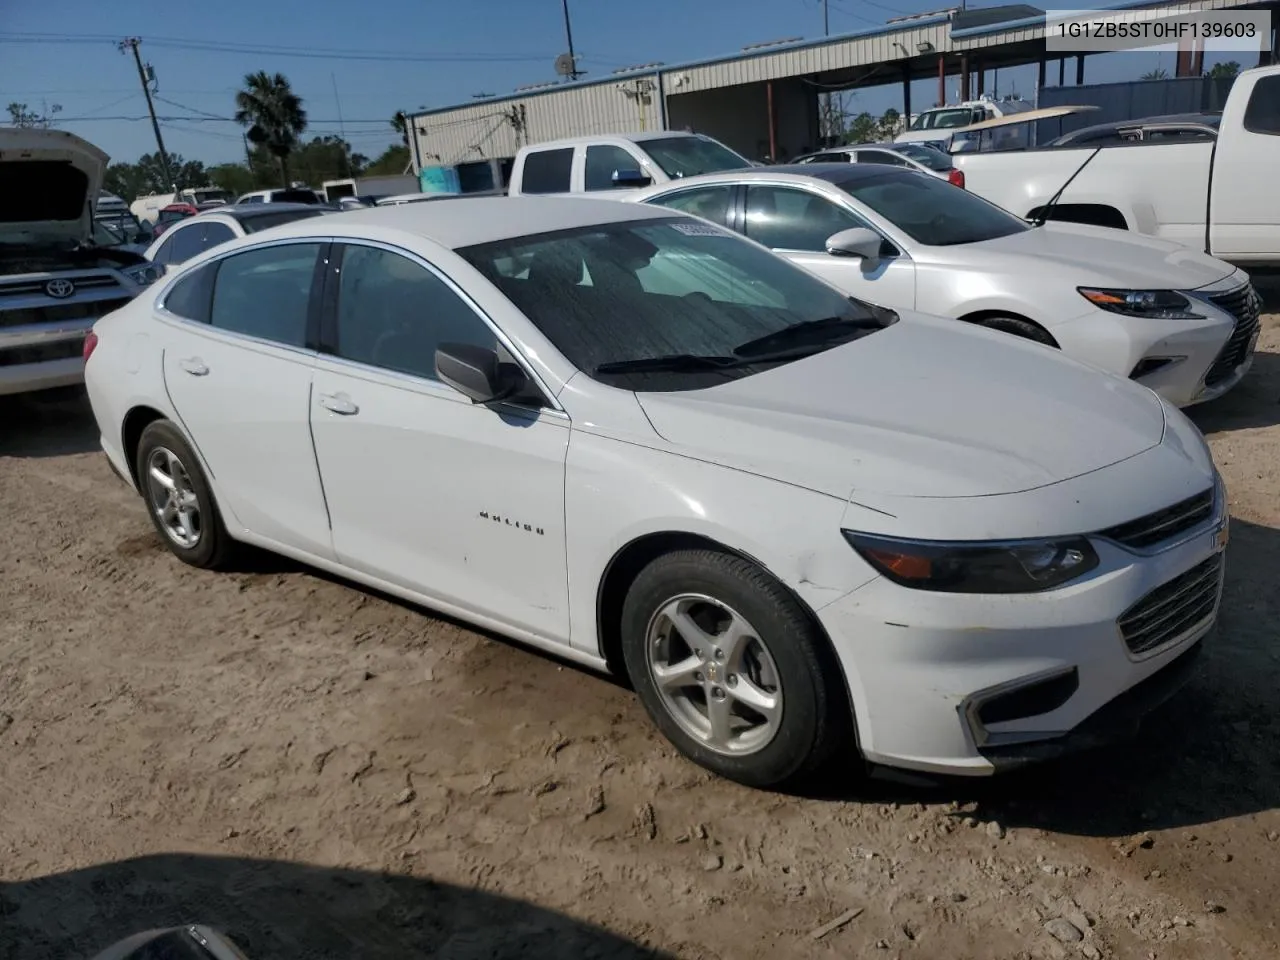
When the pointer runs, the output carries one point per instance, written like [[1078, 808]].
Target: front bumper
[[923, 667], [1125, 345]]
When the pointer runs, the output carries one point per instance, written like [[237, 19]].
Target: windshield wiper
[[695, 363], [817, 333]]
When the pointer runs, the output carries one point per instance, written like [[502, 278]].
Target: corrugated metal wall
[[1131, 101], [485, 129]]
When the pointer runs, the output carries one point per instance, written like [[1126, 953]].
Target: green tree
[[888, 126], [1223, 71], [131, 180], [393, 162], [1159, 73], [400, 124], [235, 178], [21, 116], [862, 129], [273, 114]]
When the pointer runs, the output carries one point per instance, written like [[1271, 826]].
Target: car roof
[[255, 211], [830, 172], [1191, 119], [462, 221], [635, 137]]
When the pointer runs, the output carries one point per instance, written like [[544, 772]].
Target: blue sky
[[420, 53]]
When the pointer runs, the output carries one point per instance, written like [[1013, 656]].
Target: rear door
[[238, 363], [795, 222], [1244, 207]]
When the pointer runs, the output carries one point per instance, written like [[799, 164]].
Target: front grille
[[42, 352], [1242, 303], [1173, 608], [57, 313], [29, 288], [1164, 524]]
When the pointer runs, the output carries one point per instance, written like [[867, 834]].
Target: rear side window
[[1262, 115], [192, 295], [216, 233], [547, 171], [185, 243], [265, 293], [602, 161]]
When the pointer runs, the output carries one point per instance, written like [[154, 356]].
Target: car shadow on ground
[[275, 910], [52, 423], [1211, 752], [1255, 402]]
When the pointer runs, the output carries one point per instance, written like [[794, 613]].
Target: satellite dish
[[565, 66]]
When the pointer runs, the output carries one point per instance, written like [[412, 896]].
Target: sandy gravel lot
[[328, 773]]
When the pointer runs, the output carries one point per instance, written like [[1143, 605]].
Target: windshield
[[935, 160], [105, 235], [254, 224], [690, 156], [943, 119], [619, 293], [932, 211]]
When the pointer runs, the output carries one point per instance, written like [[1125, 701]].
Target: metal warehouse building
[[763, 100]]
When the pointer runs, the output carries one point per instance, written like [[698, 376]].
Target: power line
[[205, 46]]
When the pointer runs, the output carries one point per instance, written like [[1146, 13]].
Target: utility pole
[[574, 72], [827, 119], [133, 43]]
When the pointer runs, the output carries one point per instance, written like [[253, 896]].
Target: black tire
[[815, 717], [1019, 328], [213, 547]]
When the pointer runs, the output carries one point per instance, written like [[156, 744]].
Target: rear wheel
[[178, 498], [731, 669]]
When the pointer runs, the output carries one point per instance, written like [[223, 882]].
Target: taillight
[[90, 341], [955, 177]]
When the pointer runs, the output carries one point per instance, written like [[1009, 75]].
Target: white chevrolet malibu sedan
[[1178, 321], [804, 529]]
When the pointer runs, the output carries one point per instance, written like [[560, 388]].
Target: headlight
[[1016, 566], [144, 273], [1156, 304]]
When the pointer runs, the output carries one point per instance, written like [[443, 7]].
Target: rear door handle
[[338, 403], [194, 366]]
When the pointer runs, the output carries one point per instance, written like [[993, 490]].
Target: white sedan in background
[[1180, 322], [196, 234], [801, 527], [909, 156]]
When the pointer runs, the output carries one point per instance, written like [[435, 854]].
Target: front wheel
[[731, 669], [1019, 328]]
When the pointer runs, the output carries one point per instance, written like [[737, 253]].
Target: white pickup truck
[[611, 162], [1218, 196]]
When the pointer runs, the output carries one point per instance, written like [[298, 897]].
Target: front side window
[[1262, 113], [602, 161], [931, 211], [785, 218], [265, 293], [709, 203], [547, 171], [690, 156], [670, 304], [393, 313]]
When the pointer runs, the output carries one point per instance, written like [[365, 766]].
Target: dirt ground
[[327, 773]]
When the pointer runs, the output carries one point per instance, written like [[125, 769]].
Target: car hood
[[924, 408], [51, 179], [1103, 256]]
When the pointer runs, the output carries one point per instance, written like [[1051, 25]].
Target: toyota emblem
[[60, 289]]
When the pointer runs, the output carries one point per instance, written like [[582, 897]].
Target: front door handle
[[194, 366], [338, 403]]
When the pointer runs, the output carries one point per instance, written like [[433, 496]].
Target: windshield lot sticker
[[700, 230]]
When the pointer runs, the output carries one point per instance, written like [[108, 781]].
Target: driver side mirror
[[630, 177], [480, 375], [857, 242]]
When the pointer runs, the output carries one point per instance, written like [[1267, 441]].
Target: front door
[[238, 370], [1244, 207], [796, 222], [459, 502]]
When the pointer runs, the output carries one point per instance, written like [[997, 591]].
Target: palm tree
[[1159, 73], [274, 115], [400, 124]]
